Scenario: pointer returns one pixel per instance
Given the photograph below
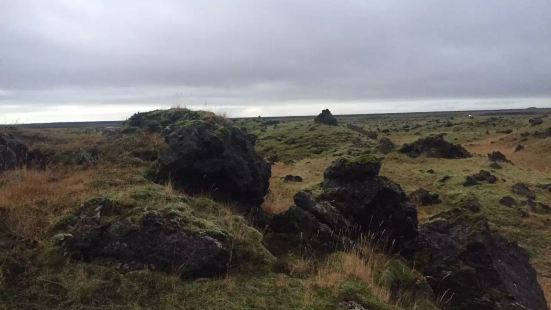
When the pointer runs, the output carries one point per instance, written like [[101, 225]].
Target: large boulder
[[434, 146], [535, 121], [13, 152], [354, 202], [150, 229], [166, 240], [497, 156], [206, 154], [325, 117], [423, 197], [471, 267]]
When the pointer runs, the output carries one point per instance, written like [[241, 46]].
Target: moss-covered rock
[[207, 154], [144, 228]]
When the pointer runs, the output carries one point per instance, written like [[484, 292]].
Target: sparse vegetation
[[35, 203]]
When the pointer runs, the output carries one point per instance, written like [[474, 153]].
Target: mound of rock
[[434, 146], [471, 267], [161, 120], [13, 152], [424, 198], [497, 156], [325, 117], [385, 145], [292, 178], [206, 154], [535, 121], [481, 176], [523, 190], [164, 240], [354, 201], [508, 201]]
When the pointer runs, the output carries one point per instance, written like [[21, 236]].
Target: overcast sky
[[69, 60]]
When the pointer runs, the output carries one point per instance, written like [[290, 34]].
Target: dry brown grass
[[31, 199], [280, 197], [535, 156], [360, 263]]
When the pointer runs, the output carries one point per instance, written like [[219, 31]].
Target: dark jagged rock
[[292, 178], [13, 152], [206, 154], [325, 117], [523, 190], [354, 201], [508, 201], [164, 240], [481, 176], [385, 145], [497, 156], [312, 226], [474, 268], [484, 175], [535, 121], [434, 146], [519, 147], [424, 198], [470, 181]]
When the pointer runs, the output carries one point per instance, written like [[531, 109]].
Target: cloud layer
[[251, 55]]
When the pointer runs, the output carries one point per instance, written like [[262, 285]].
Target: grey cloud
[[268, 51]]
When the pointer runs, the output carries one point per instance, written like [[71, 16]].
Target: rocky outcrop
[[523, 190], [292, 178], [354, 201], [434, 146], [535, 121], [471, 267], [497, 156], [13, 152], [481, 176], [206, 154], [164, 240], [325, 117], [424, 198], [508, 201]]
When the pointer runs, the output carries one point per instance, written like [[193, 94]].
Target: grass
[[33, 275]]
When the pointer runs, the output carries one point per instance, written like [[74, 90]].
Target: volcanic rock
[[292, 178], [535, 121], [164, 240], [508, 201], [497, 156], [206, 154], [474, 268], [325, 117], [434, 146], [523, 190], [354, 201], [424, 198]]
